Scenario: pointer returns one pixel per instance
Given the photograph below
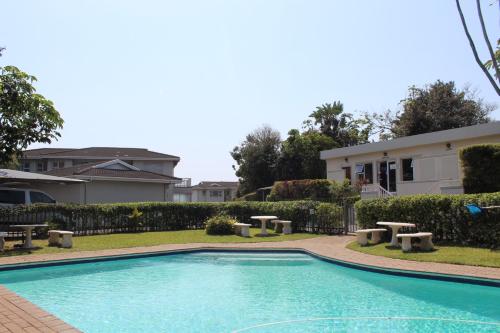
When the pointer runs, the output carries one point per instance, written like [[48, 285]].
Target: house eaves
[[451, 135]]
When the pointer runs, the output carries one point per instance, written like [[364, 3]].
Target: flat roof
[[7, 175], [456, 134]]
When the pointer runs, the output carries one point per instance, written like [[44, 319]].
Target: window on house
[[26, 166], [407, 169], [216, 193], [365, 173], [41, 166], [57, 164]]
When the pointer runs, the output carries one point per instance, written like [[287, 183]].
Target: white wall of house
[[212, 195], [436, 167]]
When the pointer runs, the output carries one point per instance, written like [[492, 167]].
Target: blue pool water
[[251, 292]]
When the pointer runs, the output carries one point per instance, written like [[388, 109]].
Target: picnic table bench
[[362, 235], [61, 238], [425, 241], [282, 226], [242, 229]]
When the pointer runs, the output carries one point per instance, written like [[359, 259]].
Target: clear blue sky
[[192, 78]]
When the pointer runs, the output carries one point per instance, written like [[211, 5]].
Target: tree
[[256, 158], [341, 127], [300, 155], [25, 116], [436, 107], [493, 61]]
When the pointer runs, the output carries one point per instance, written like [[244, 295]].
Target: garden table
[[28, 228], [263, 220], [395, 226]]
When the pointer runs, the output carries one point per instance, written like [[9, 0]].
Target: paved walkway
[[19, 315]]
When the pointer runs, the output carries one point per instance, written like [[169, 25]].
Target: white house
[[205, 191], [424, 163]]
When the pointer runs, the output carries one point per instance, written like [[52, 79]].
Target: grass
[[116, 241], [461, 255]]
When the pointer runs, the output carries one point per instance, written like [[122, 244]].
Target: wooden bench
[[61, 238], [282, 226], [242, 229], [425, 241], [362, 235], [2, 240]]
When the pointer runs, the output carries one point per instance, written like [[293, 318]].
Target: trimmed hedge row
[[444, 215], [312, 189], [481, 164], [115, 218]]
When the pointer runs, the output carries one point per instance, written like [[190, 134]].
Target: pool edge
[[466, 279]]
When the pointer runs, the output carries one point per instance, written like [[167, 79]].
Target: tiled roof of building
[[96, 152], [216, 184], [89, 169]]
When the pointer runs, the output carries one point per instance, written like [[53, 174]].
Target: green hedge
[[115, 218], [481, 165], [312, 189], [443, 215]]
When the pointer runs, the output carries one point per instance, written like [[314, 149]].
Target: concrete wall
[[436, 169], [109, 192], [73, 193]]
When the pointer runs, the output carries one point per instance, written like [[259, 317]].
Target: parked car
[[10, 197]]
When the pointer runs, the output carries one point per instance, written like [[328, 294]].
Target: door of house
[[387, 175]]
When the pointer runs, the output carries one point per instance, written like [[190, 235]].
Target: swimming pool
[[251, 292]]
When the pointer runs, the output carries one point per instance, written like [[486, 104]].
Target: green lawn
[[115, 241], [448, 254]]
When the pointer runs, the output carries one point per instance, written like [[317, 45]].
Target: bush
[[158, 216], [311, 189], [481, 165], [220, 225], [330, 219], [249, 197], [443, 215]]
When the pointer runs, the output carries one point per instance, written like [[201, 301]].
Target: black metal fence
[[306, 216]]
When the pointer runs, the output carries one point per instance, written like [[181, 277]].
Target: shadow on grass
[[389, 247], [267, 235], [16, 251]]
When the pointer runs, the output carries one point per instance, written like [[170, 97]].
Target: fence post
[[346, 216]]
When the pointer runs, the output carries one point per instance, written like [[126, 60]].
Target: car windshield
[[12, 197]]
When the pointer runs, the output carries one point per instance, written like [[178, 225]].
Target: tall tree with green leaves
[[331, 120], [300, 155], [435, 107], [493, 61], [256, 159], [25, 116]]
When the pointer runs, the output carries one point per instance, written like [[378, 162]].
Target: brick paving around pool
[[19, 315]]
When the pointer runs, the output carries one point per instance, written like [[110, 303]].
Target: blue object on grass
[[474, 209]]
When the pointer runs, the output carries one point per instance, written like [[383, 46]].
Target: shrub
[[330, 219], [220, 225], [443, 215], [158, 216], [311, 189], [249, 197], [481, 165]]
